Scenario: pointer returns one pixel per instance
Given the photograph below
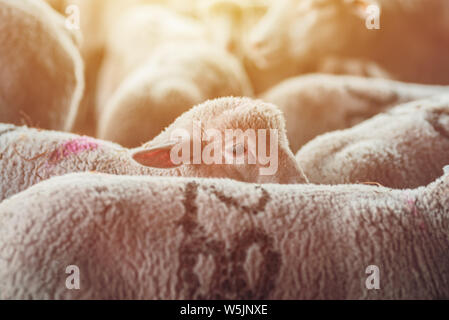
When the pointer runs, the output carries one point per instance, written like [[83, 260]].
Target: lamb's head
[[303, 28], [236, 138]]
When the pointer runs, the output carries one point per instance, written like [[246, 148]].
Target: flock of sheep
[[86, 117]]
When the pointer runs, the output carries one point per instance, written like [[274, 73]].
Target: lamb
[[297, 37], [315, 104], [173, 80], [132, 39], [405, 147], [180, 238], [28, 156], [40, 65]]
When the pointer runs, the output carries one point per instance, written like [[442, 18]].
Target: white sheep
[[93, 19], [41, 68], [298, 37], [315, 104], [97, 19], [404, 148], [132, 38], [173, 80], [28, 156], [179, 238]]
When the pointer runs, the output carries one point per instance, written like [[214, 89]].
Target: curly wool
[[178, 238], [405, 147], [318, 103]]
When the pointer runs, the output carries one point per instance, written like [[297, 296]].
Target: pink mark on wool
[[79, 145], [73, 147]]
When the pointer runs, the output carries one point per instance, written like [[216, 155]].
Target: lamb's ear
[[155, 157]]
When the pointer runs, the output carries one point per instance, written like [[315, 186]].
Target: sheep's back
[[159, 238]]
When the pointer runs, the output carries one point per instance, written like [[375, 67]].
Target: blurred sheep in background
[[173, 80], [41, 70], [230, 21], [318, 103], [132, 39], [406, 147], [299, 36], [96, 18]]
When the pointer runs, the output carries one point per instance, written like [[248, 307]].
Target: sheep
[[87, 17], [405, 147], [315, 104], [180, 238], [132, 39], [99, 16], [95, 18], [229, 21], [173, 80], [41, 67], [28, 156], [297, 37]]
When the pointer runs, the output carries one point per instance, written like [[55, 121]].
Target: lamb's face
[[244, 141], [298, 28]]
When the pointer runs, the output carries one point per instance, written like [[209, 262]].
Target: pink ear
[[155, 157]]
